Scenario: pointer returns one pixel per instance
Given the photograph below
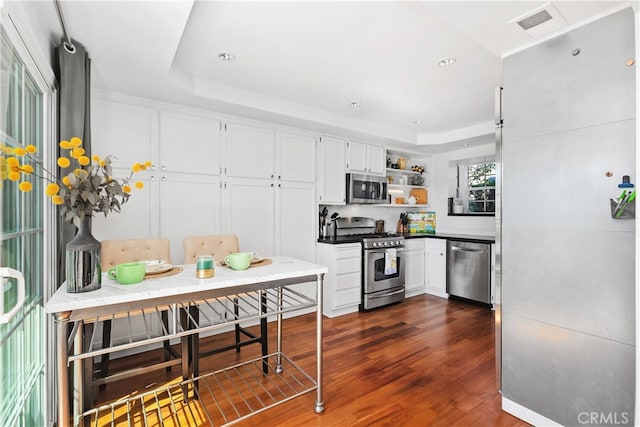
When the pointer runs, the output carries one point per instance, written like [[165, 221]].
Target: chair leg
[[236, 312], [104, 359]]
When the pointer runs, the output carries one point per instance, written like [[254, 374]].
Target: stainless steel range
[[382, 261]]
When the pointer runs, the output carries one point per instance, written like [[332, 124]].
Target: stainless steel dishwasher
[[469, 270]]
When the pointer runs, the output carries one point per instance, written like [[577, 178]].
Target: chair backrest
[[218, 245], [115, 252]]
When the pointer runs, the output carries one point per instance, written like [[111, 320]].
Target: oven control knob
[[399, 242], [386, 243]]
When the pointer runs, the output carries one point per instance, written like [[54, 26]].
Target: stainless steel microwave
[[366, 189]]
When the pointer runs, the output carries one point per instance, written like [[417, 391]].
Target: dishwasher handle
[[458, 248]]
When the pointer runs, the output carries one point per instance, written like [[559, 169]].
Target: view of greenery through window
[[482, 187]]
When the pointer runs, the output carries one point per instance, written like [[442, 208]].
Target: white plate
[[155, 266]]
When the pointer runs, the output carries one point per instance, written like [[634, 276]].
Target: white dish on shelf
[[156, 266]]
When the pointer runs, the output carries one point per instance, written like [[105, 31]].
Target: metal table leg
[[62, 321], [319, 400]]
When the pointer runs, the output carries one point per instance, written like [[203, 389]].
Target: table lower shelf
[[223, 397]]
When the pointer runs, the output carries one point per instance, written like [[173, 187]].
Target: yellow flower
[[28, 169], [139, 185], [14, 176], [136, 167], [66, 181], [148, 164], [84, 160], [76, 142], [25, 186], [81, 173], [52, 189], [66, 145], [31, 149], [12, 161], [126, 189], [77, 152], [63, 162], [57, 200], [19, 151], [102, 163], [95, 158]]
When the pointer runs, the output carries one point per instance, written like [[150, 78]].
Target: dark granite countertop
[[447, 236], [453, 236]]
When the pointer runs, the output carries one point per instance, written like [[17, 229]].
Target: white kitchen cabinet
[[271, 217], [123, 130], [189, 144], [249, 151], [138, 218], [332, 167], [436, 251], [250, 213], [415, 266], [365, 158], [342, 283], [189, 206], [295, 157]]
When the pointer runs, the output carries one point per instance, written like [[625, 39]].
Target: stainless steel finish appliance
[[382, 285], [379, 287], [366, 189], [469, 270]]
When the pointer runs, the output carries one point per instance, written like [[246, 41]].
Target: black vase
[[83, 268]]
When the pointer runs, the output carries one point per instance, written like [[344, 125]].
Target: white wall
[[439, 193]]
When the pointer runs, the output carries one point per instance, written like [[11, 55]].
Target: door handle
[[386, 295], [6, 272], [456, 248]]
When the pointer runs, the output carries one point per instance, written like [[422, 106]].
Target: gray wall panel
[[568, 283], [558, 91], [562, 373]]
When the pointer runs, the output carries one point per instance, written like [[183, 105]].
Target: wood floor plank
[[425, 362]]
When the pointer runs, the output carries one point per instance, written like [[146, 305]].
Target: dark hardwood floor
[[425, 362]]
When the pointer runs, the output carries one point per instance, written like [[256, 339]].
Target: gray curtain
[[73, 70]]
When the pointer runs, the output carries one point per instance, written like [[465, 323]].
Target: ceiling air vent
[[540, 21]]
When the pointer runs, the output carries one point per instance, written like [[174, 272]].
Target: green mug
[[127, 274], [238, 260]]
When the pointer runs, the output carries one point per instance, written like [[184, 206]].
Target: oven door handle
[[386, 295], [379, 250]]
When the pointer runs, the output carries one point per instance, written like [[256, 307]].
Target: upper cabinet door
[[356, 156], [376, 162], [250, 151], [123, 130], [296, 158], [189, 144], [332, 182]]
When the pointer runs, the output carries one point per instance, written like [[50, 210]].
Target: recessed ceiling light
[[416, 122], [355, 104], [447, 62], [226, 56]]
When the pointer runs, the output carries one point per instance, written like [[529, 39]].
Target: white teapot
[[412, 200]]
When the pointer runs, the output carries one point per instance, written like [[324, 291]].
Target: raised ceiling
[[302, 63]]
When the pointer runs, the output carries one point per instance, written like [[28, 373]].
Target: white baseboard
[[526, 414], [437, 293]]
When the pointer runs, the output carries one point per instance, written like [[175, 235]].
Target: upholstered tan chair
[[218, 245], [114, 252], [221, 245], [131, 250]]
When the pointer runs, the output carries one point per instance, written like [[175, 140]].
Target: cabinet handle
[[278, 176], [153, 167], [153, 178], [272, 185], [164, 178], [279, 185], [163, 168], [272, 176]]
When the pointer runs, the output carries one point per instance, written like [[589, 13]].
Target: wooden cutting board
[[420, 194]]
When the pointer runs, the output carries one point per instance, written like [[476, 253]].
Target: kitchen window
[[481, 193]]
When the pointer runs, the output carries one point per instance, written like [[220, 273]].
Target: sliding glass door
[[22, 337]]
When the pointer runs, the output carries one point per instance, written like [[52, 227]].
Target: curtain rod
[[68, 45]]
